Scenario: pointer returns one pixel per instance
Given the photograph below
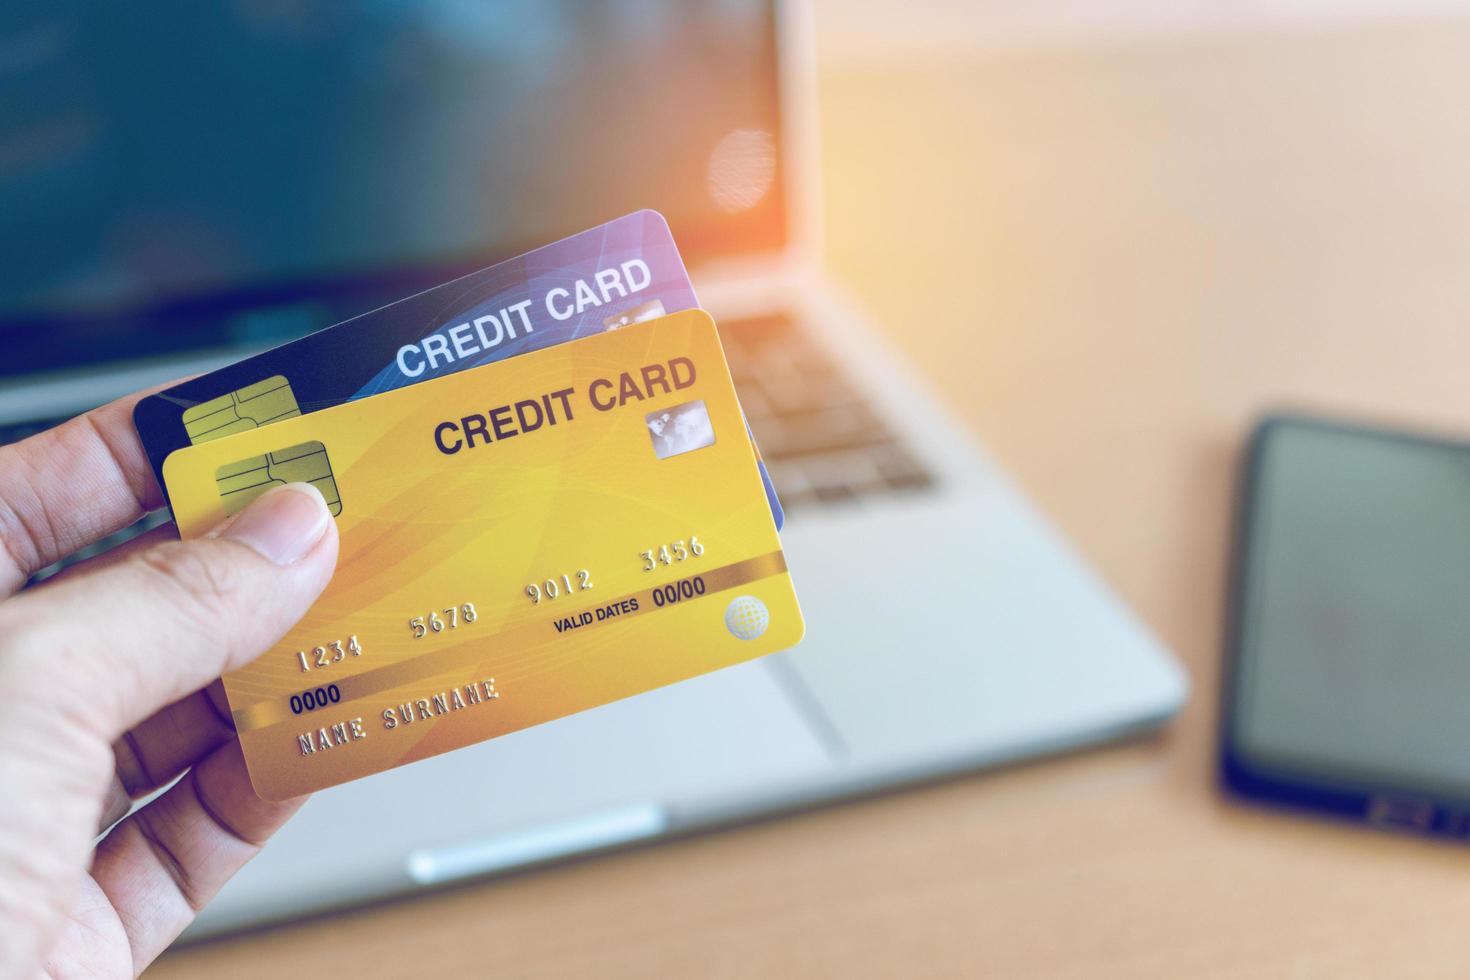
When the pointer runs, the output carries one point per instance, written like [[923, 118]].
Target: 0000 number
[[318, 698]]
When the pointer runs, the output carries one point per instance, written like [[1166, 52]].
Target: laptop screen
[[184, 174]]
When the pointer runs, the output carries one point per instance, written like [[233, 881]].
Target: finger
[[108, 649], [155, 752], [115, 805], [161, 865], [69, 486], [148, 539], [159, 748]]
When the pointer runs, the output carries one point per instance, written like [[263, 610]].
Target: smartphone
[[1348, 683]]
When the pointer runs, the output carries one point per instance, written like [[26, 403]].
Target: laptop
[[316, 164]]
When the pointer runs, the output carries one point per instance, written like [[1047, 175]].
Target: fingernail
[[282, 524]]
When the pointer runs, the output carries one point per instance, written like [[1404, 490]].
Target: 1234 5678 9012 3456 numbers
[[667, 554], [453, 617]]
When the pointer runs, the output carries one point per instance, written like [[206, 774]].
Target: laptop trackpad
[[713, 734]]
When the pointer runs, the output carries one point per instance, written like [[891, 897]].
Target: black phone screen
[[1351, 633]]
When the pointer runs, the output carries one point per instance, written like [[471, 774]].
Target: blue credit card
[[620, 273]]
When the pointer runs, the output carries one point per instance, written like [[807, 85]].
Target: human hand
[[104, 697]]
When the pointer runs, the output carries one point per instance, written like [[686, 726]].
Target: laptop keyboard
[[821, 441]]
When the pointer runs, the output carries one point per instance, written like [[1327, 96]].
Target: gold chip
[[243, 480], [248, 408]]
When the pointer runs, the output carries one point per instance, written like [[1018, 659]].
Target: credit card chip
[[243, 409], [243, 480]]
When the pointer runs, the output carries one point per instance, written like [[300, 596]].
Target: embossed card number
[[422, 626], [333, 653]]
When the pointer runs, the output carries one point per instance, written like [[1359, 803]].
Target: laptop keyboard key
[[821, 441]]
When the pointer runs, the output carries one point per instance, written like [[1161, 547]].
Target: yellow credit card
[[519, 542]]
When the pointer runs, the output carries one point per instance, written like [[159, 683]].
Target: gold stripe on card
[[367, 683]]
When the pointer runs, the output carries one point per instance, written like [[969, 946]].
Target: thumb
[[130, 638]]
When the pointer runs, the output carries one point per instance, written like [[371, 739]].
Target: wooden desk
[[1148, 243]]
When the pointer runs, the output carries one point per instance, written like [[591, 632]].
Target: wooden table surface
[[1147, 243]]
